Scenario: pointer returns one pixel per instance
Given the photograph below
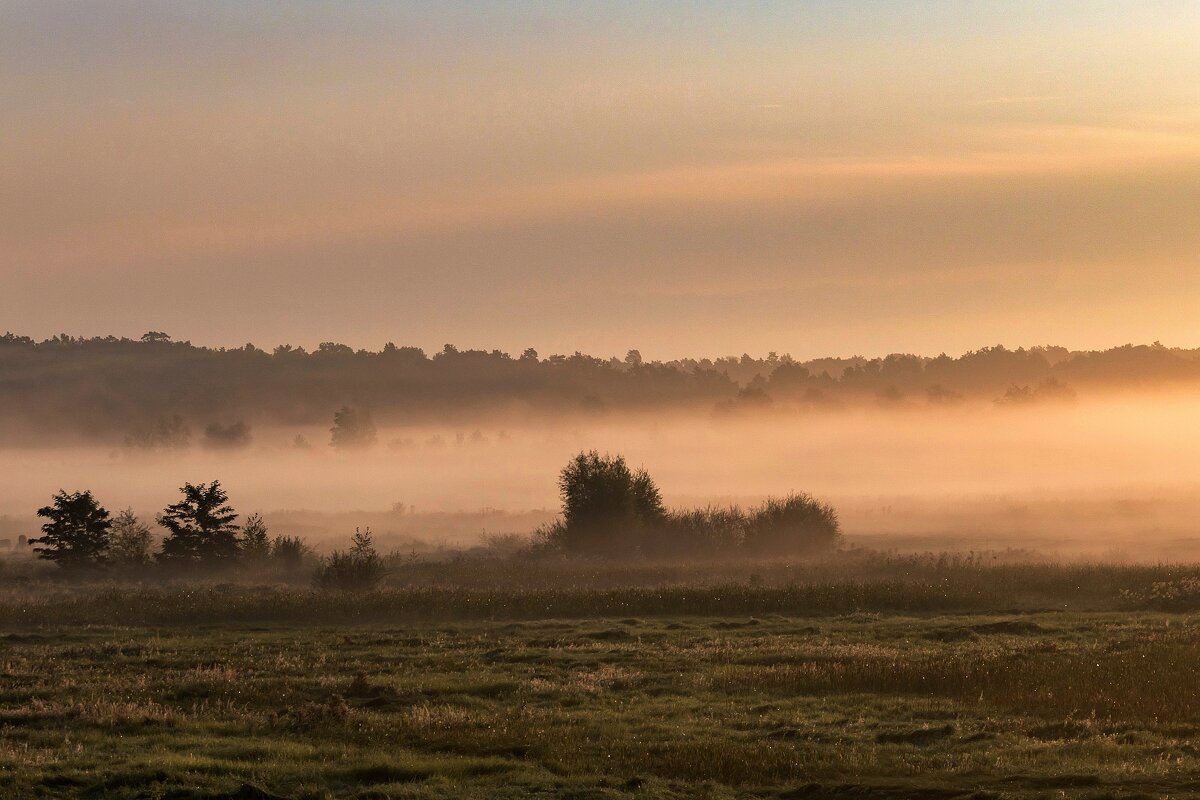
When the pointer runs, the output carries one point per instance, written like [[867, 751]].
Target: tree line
[[81, 536], [157, 389], [202, 531]]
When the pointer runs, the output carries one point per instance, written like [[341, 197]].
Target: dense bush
[[358, 569], [796, 524], [290, 552], [700, 531], [611, 510]]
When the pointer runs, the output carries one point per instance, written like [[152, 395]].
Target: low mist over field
[[1111, 476]]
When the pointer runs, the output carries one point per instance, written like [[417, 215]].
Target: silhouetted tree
[[607, 507], [202, 526], [76, 535], [352, 428], [254, 543], [129, 540]]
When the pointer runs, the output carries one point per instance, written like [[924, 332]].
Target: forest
[[156, 392]]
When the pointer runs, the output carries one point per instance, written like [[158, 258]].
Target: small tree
[[359, 569], [255, 545], [76, 535], [129, 540], [352, 428], [201, 526], [607, 507]]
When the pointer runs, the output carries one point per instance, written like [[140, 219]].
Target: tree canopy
[[201, 525], [76, 533]]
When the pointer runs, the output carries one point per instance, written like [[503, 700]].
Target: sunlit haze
[[692, 179]]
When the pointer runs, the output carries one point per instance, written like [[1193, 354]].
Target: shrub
[[794, 525], [290, 552], [611, 510], [702, 531], [358, 569]]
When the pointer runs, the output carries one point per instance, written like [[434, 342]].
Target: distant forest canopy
[[139, 389]]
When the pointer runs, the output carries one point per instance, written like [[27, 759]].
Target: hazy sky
[[682, 177]]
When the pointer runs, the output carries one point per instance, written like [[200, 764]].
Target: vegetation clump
[[352, 428], [358, 569], [255, 543], [130, 541], [612, 510]]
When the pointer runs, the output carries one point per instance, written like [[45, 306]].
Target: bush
[[610, 510], [702, 531], [794, 525], [358, 569], [290, 552]]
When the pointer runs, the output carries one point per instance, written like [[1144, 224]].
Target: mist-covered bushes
[[614, 511], [358, 569], [793, 525]]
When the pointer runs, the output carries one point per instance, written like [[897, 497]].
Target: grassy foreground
[[851, 705]]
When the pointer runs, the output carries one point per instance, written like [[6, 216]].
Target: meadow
[[860, 676]]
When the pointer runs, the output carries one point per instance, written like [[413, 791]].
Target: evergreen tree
[[201, 525], [76, 534], [256, 546]]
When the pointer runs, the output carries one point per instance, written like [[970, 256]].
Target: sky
[[685, 178]]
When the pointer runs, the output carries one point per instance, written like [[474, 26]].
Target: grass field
[[141, 694]]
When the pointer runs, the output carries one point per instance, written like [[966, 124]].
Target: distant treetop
[[152, 391]]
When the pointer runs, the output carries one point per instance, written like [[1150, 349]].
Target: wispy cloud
[[1029, 99]]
